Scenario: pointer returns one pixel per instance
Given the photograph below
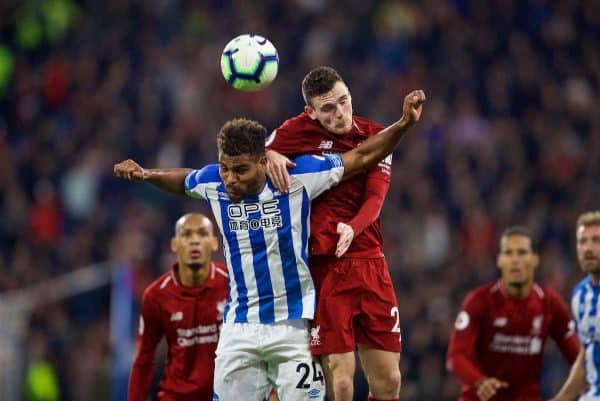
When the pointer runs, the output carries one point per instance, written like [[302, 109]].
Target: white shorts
[[253, 357]]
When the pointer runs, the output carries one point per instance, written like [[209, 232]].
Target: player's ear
[[215, 244], [310, 111], [173, 244], [536, 260]]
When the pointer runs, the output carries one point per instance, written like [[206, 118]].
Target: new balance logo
[[500, 322], [177, 316], [314, 336], [326, 145]]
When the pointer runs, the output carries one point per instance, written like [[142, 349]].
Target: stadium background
[[511, 134]]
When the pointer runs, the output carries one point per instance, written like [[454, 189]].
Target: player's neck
[[518, 291], [190, 277]]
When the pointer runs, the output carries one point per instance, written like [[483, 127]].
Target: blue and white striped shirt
[[585, 305], [265, 240]]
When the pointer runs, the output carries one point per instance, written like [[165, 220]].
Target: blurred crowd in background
[[510, 135]]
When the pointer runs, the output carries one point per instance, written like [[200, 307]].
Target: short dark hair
[[241, 136], [523, 231], [318, 82]]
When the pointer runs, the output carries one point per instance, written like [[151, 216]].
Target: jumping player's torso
[[302, 135]]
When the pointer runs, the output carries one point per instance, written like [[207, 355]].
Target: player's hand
[[488, 387], [413, 106], [277, 165], [130, 170], [346, 233]]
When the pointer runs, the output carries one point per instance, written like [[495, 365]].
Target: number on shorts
[[394, 312], [302, 383], [305, 368], [318, 374]]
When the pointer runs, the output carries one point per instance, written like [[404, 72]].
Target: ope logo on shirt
[[267, 214]]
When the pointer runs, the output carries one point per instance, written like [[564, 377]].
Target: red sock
[[375, 399]]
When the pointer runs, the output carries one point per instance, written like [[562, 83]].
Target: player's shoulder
[[583, 285], [367, 126], [205, 175], [479, 295], [159, 285], [221, 271], [307, 164]]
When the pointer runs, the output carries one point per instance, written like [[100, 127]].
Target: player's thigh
[[378, 324], [300, 380], [378, 364], [339, 365], [332, 330], [238, 368], [295, 373]]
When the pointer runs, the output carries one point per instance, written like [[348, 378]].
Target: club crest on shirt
[[314, 336], [536, 325]]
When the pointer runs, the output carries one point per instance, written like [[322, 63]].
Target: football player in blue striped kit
[[264, 339], [584, 379]]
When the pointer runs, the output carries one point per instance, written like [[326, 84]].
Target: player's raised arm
[[371, 151], [169, 180]]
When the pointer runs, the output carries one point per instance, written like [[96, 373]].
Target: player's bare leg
[[382, 371], [339, 375]]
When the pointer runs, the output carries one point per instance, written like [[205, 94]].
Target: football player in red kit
[[496, 347], [357, 306], [184, 305]]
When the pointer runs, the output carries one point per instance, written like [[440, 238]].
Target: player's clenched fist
[[129, 170], [413, 106]]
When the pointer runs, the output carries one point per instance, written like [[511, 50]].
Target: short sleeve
[[197, 181], [318, 173]]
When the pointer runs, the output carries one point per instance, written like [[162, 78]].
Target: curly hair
[[318, 82], [241, 136]]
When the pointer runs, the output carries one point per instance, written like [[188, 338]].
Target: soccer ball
[[249, 62]]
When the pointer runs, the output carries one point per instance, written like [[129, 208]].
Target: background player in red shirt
[[497, 345], [184, 305], [357, 305]]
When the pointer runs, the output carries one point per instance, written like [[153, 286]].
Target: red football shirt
[[190, 318], [356, 201], [502, 337]]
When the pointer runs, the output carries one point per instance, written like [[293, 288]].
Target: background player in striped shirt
[[585, 306], [184, 306], [496, 348], [357, 306], [265, 234]]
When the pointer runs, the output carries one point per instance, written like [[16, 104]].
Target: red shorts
[[356, 303]]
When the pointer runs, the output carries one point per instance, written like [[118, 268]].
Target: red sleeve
[[562, 328], [150, 331], [463, 341], [376, 188]]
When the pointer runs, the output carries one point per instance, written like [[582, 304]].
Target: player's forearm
[[575, 383], [464, 369], [377, 147], [169, 180], [140, 380]]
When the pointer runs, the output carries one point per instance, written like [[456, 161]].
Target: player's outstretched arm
[[169, 180], [371, 151]]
